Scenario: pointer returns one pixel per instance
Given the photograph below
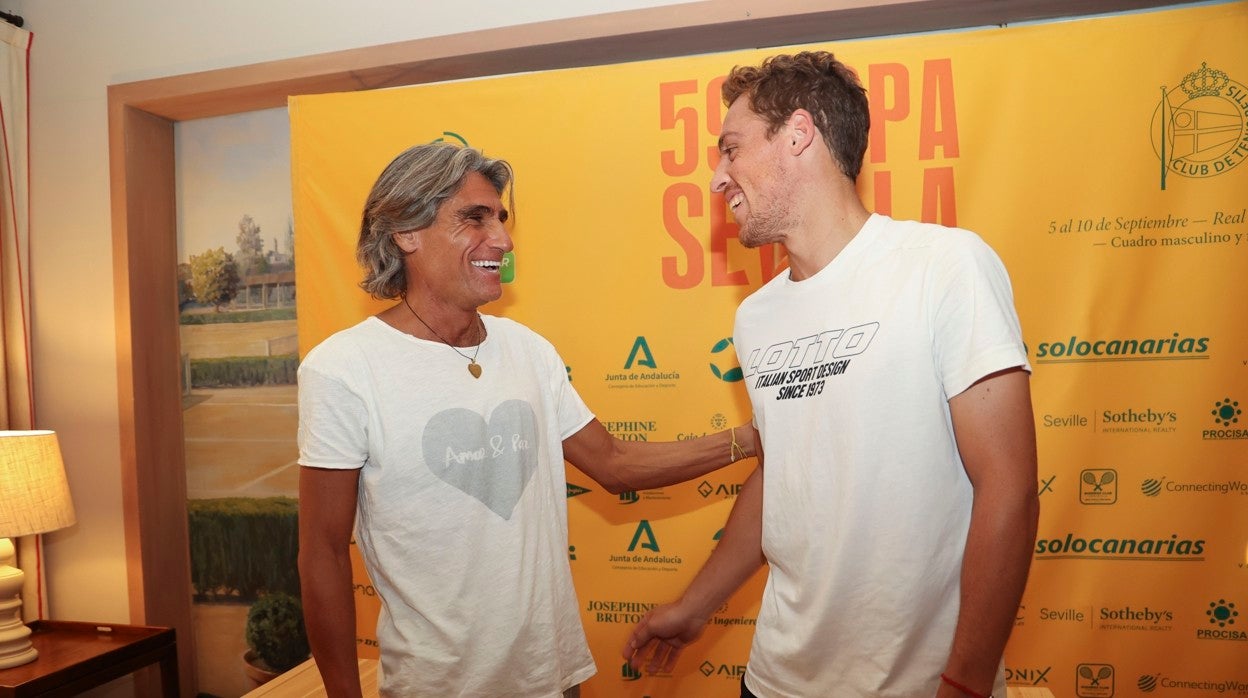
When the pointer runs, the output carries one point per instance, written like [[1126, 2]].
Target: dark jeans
[[745, 692]]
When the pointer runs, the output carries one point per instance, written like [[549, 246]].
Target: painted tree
[[185, 295], [250, 258], [214, 277], [290, 241]]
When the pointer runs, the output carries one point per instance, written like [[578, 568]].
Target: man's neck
[[438, 322], [824, 233]]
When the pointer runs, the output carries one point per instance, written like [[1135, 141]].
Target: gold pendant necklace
[[473, 367]]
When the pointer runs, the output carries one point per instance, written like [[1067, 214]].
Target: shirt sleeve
[[572, 411], [975, 326], [333, 423]]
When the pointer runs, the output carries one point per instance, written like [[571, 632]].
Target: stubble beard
[[768, 222]]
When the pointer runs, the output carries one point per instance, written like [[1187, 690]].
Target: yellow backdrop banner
[[1103, 159]]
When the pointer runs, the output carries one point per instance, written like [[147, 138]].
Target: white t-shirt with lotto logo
[[462, 510], [866, 503]]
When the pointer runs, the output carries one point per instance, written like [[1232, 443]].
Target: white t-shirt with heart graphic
[[462, 510]]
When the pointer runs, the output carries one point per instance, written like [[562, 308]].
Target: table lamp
[[34, 498]]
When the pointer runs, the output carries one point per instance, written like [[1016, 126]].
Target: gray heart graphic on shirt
[[490, 462]]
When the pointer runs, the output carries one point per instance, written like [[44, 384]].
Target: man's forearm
[[647, 465], [994, 574], [737, 556], [639, 465], [664, 632], [329, 617]]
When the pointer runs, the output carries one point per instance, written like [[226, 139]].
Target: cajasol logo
[[1076, 349], [1226, 413], [723, 360]]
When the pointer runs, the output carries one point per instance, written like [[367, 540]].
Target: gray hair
[[406, 197]]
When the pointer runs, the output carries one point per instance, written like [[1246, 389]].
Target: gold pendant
[[475, 369]]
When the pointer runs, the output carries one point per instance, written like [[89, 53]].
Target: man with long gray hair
[[440, 433]]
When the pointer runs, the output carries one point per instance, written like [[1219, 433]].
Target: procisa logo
[[1222, 615], [1199, 125], [1098, 486], [723, 361], [1226, 425], [1226, 412], [576, 490], [1094, 681]]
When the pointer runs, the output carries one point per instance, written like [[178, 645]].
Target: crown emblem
[[1204, 82]]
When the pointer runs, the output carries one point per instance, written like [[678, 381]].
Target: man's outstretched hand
[[663, 633]]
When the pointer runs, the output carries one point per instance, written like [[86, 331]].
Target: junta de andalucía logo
[[1200, 126]]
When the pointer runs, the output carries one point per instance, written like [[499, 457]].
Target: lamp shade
[[34, 495]]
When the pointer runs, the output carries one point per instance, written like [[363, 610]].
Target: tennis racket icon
[[1097, 483], [1101, 674]]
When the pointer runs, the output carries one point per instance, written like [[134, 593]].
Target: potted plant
[[275, 636]]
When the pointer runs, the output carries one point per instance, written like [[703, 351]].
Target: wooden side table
[[74, 657]]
